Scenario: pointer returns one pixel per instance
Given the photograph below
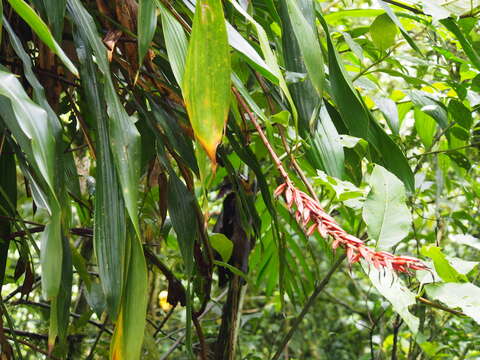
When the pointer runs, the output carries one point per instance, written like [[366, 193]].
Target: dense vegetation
[[237, 179]]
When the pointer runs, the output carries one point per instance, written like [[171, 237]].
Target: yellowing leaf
[[206, 83]]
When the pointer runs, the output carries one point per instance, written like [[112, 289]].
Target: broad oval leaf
[[383, 31], [385, 211], [206, 84]]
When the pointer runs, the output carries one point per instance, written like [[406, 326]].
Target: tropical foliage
[[239, 179]]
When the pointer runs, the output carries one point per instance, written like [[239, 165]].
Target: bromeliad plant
[[136, 140]]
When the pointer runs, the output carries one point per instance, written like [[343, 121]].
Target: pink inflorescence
[[313, 218]]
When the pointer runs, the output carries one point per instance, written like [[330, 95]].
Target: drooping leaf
[[124, 136], [426, 127], [8, 185], [128, 336], [181, 207], [469, 49], [390, 112], [309, 46], [464, 296], [206, 83], [430, 106], [41, 29], [359, 121], [385, 211], [147, 24], [31, 123], [223, 245], [236, 41], [175, 42], [442, 266], [109, 240], [397, 293], [55, 11]]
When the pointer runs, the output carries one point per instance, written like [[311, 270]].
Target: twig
[[297, 168], [440, 307], [33, 347], [445, 151], [396, 327], [406, 7], [307, 306]]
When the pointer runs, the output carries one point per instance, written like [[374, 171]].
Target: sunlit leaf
[[385, 211], [206, 83]]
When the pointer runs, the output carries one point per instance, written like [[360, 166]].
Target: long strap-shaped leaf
[[110, 242], [206, 82], [358, 119], [41, 29], [125, 146]]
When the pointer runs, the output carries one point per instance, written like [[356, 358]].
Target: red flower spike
[[308, 210]]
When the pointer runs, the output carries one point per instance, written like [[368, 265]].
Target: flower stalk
[[310, 214]]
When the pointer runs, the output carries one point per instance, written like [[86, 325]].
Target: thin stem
[[263, 137], [445, 151], [311, 300], [297, 168], [440, 307]]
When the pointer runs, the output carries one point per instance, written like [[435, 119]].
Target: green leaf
[[270, 57], [358, 119], [303, 93], [327, 142], [175, 42], [442, 266], [42, 31], [397, 22], [460, 113], [469, 49], [128, 336], [31, 124], [383, 31], [464, 296], [389, 110], [124, 136], [309, 46], [223, 245], [236, 41], [425, 126], [8, 186], [233, 269], [397, 293], [206, 84], [385, 211], [147, 24], [430, 106], [110, 243], [181, 207], [55, 11]]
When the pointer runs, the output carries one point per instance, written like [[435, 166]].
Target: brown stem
[[297, 168], [440, 307], [272, 153], [201, 338], [33, 347], [311, 300]]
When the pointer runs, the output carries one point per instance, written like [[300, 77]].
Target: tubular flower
[[312, 217]]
